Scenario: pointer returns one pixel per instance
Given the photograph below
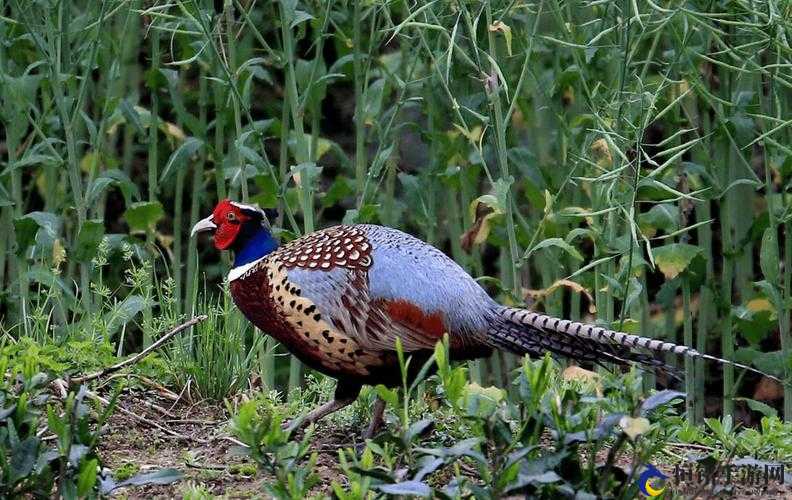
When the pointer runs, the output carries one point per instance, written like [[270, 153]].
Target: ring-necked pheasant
[[338, 298]]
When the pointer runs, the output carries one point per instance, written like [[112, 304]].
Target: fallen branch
[[146, 421], [142, 354]]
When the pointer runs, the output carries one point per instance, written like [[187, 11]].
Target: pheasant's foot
[[377, 419]]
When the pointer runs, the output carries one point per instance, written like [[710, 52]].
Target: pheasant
[[338, 299]]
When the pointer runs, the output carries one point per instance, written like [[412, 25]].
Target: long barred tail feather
[[523, 331]]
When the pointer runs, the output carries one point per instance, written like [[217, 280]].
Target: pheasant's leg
[[376, 419], [345, 395], [326, 409]]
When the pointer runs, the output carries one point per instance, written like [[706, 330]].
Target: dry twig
[[142, 354]]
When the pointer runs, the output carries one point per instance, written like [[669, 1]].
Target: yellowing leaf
[[601, 152], [58, 253], [757, 305], [575, 287], [172, 131], [585, 378], [483, 209], [473, 135], [89, 161], [634, 427], [675, 258], [507, 33]]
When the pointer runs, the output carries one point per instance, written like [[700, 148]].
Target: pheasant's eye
[[231, 216]]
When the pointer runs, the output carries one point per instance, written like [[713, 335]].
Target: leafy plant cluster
[[549, 440], [49, 448]]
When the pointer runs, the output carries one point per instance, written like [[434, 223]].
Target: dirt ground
[[148, 432]]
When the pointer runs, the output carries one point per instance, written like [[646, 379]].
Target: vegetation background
[[609, 160]]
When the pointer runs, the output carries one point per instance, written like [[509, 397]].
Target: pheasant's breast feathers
[[280, 307]]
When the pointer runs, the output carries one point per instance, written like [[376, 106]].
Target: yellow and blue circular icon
[[649, 479]]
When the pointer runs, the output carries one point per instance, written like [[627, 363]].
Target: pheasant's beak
[[206, 224]]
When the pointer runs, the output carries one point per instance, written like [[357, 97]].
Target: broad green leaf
[[124, 312], [482, 401], [164, 476], [759, 406], [41, 227], [109, 178], [23, 457], [86, 480], [675, 258], [659, 399], [181, 156], [144, 215], [88, 239]]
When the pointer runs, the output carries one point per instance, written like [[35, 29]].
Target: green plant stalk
[[780, 306], [57, 48], [153, 180], [785, 282], [361, 162], [178, 227], [454, 225], [9, 213], [17, 266], [727, 276], [786, 334], [497, 117], [195, 201], [219, 136], [649, 378], [131, 81], [707, 307], [302, 153], [690, 375], [233, 152]]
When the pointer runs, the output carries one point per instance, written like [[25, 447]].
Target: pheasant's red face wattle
[[229, 220]]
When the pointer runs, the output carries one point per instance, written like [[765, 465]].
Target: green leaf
[[181, 156], [164, 476], [759, 406], [41, 227], [407, 488], [675, 258], [768, 255], [144, 215], [659, 399], [23, 457], [109, 178], [87, 477], [88, 239], [418, 429], [124, 312], [558, 243], [388, 395]]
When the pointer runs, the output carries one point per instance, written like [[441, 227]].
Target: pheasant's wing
[[377, 284]]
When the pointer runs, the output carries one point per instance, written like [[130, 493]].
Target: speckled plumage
[[339, 299]]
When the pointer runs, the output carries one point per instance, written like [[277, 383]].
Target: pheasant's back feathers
[[339, 246]]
